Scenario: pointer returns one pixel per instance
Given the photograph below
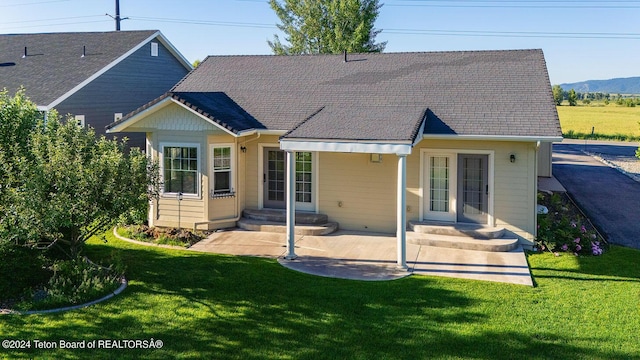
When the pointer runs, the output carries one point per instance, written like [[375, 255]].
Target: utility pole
[[117, 18], [118, 15]]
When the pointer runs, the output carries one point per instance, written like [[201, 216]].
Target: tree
[[18, 118], [558, 94], [65, 184], [573, 97], [326, 26]]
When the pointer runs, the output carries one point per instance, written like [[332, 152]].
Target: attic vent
[[84, 51], [80, 120], [25, 53], [154, 49]]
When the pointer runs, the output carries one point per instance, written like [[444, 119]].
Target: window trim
[[198, 170], [232, 171], [454, 152], [155, 49]]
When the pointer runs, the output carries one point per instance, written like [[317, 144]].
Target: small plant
[[75, 282], [165, 236], [564, 229]]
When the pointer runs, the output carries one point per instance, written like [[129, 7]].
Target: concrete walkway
[[609, 197], [364, 256]]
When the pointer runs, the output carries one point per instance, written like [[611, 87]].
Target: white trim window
[[181, 169], [154, 49], [222, 170]]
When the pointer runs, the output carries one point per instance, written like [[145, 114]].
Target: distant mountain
[[612, 86]]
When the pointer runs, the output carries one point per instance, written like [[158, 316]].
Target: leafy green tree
[[558, 94], [573, 97], [326, 26], [78, 185], [59, 183], [18, 118]]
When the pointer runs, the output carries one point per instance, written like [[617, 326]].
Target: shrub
[[77, 281], [565, 229], [21, 269]]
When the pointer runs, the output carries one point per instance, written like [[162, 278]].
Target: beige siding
[[544, 159], [223, 208], [174, 117], [356, 193], [252, 160], [514, 183]]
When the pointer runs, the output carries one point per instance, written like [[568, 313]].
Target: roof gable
[[56, 65]]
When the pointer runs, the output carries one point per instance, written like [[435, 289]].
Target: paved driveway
[[610, 198]]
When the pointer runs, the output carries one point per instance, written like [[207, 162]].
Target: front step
[[274, 220], [280, 216], [463, 242], [476, 231], [278, 227]]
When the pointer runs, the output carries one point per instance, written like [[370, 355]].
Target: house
[[95, 76], [373, 142]]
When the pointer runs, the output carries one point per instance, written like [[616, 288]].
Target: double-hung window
[[222, 169], [180, 169]]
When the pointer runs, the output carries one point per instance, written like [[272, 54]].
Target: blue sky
[[581, 39]]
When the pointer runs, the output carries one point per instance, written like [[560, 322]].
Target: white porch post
[[401, 217], [291, 205]]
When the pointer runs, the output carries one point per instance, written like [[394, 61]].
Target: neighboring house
[[96, 77], [378, 141]]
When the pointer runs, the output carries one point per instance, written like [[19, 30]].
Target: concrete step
[[280, 227], [280, 215], [463, 242], [476, 231]]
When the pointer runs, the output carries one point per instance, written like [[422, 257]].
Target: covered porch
[[401, 149]]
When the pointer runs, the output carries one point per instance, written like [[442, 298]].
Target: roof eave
[[533, 138]]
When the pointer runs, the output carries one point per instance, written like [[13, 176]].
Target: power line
[[55, 19], [514, 34], [33, 3]]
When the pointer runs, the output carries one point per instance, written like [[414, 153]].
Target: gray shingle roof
[[387, 96], [54, 64]]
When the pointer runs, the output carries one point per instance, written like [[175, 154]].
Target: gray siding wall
[[132, 83]]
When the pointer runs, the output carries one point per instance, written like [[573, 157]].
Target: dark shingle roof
[[54, 64], [387, 96], [221, 109]]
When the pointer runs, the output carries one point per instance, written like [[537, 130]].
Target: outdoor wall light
[[376, 158], [243, 149], [512, 158]]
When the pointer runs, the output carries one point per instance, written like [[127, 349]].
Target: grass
[[610, 122], [206, 306]]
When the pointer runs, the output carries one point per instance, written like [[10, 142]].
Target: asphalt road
[[610, 198]]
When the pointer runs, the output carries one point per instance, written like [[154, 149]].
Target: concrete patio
[[366, 256]]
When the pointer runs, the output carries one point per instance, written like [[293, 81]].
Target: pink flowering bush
[[564, 229]]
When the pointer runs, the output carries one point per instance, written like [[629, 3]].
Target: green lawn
[[609, 122], [205, 306]]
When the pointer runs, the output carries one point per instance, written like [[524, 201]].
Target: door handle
[[487, 190], [264, 178]]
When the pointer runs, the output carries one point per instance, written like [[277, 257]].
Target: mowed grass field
[[611, 122], [209, 306]]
